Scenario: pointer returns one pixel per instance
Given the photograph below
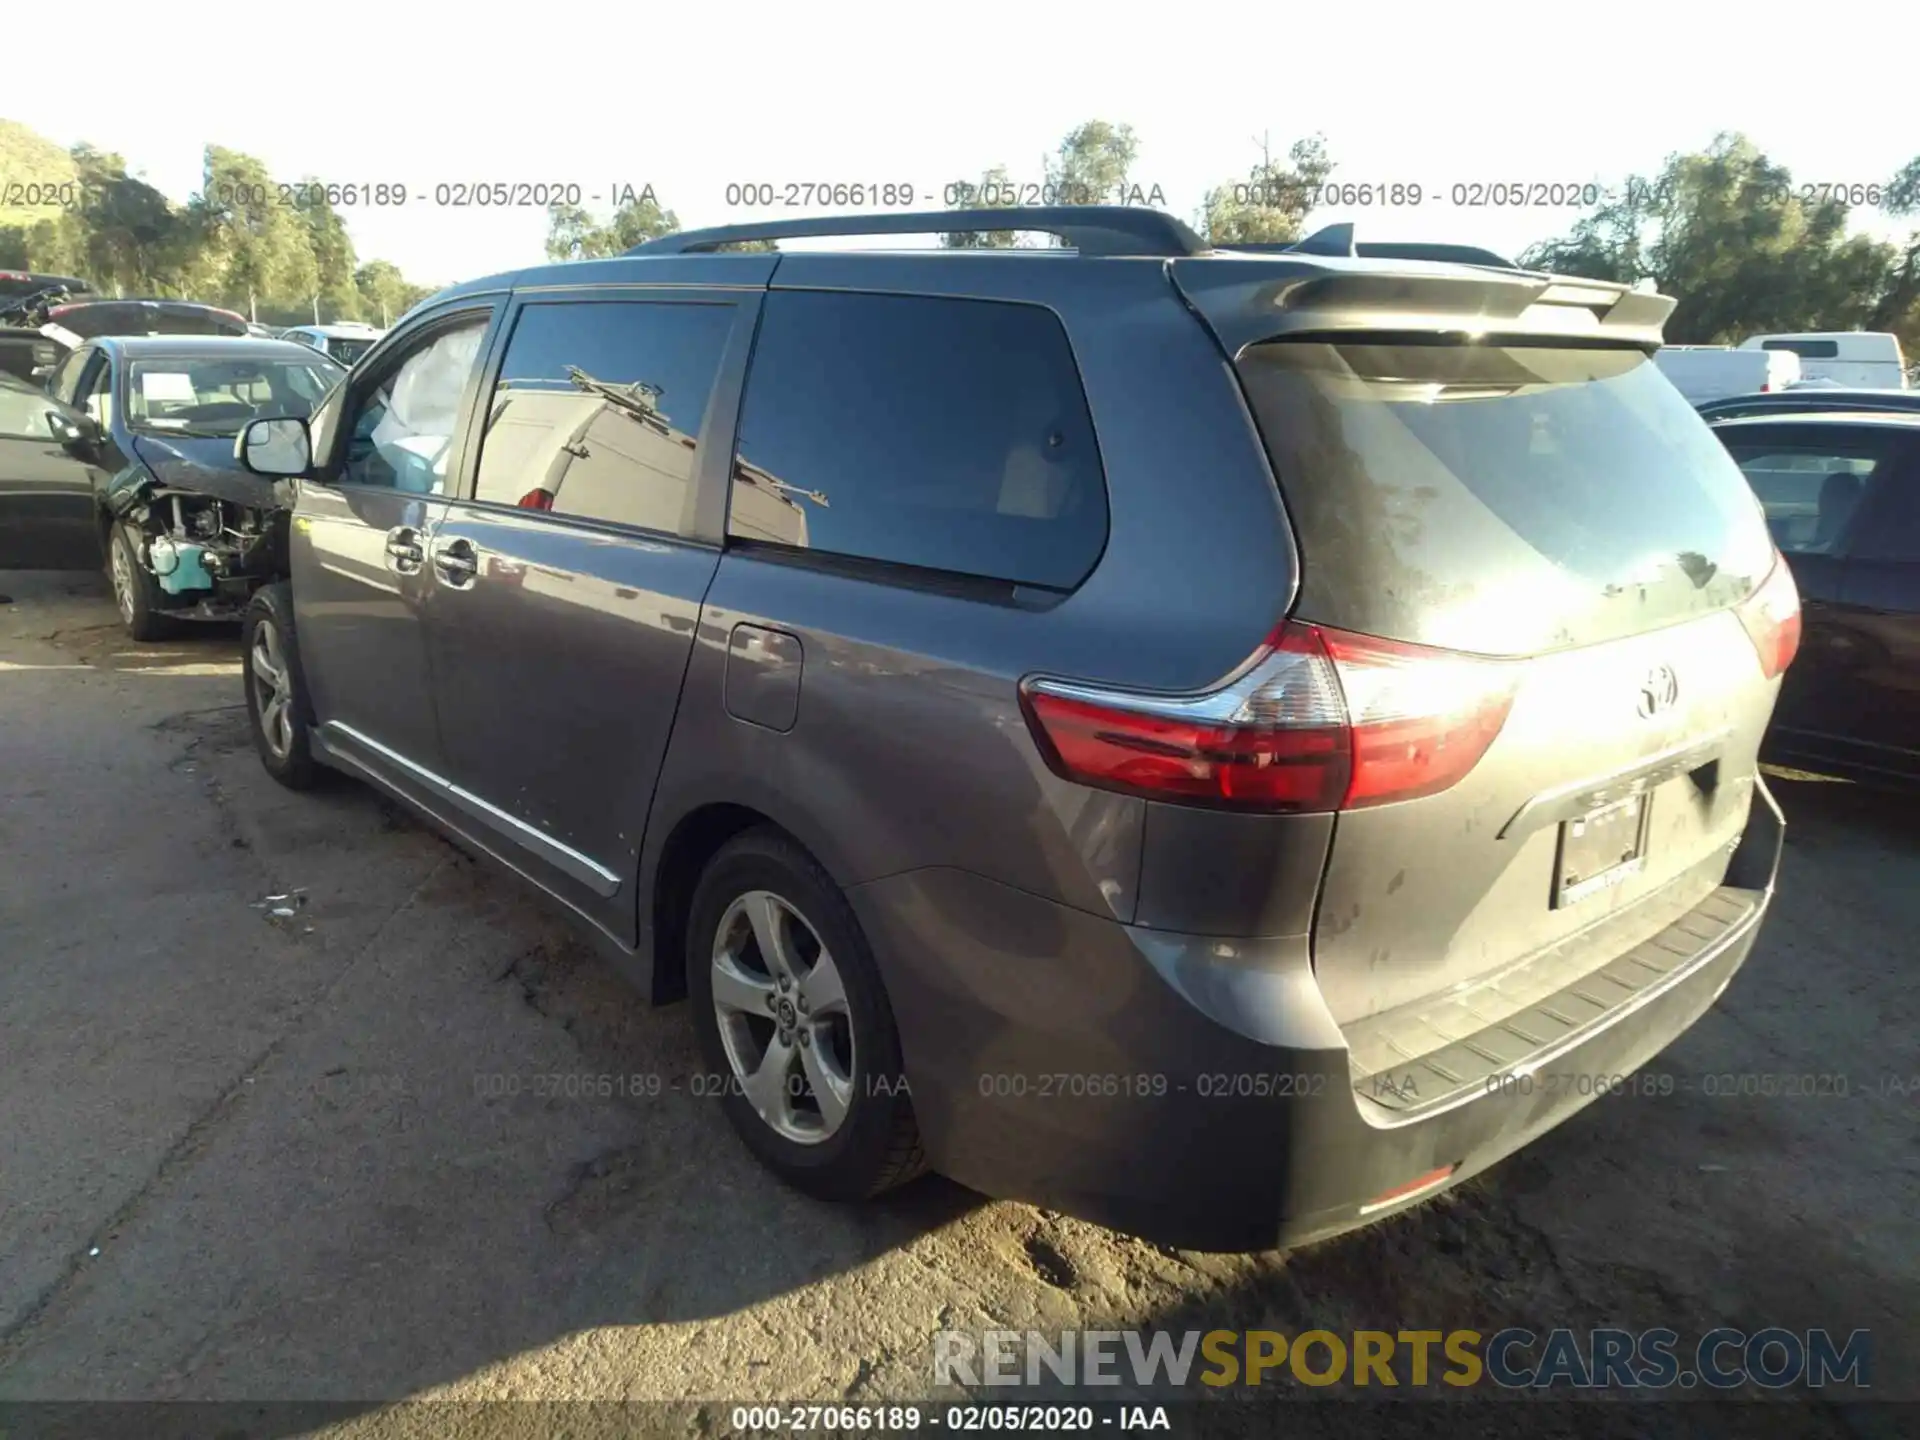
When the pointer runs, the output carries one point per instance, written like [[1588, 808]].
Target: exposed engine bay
[[209, 535], [207, 555]]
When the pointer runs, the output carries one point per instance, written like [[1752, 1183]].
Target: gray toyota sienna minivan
[[1223, 745]]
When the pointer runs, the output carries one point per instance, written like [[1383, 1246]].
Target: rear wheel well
[[688, 849]]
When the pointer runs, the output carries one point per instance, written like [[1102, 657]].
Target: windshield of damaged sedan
[[189, 395]]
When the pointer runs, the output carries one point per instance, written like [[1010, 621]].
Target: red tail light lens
[[535, 500], [1318, 720], [1772, 617]]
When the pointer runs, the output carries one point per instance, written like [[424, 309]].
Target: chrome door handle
[[403, 550], [456, 561]]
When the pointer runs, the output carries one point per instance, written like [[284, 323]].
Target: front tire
[[135, 591], [277, 706], [795, 1025]]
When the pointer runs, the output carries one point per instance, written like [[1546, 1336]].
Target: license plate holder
[[1601, 849]]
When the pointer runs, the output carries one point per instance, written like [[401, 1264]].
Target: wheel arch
[[671, 870]]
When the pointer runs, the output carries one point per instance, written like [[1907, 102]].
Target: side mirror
[[275, 447], [70, 430]]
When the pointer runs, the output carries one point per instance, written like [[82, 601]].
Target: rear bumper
[[1196, 1091]]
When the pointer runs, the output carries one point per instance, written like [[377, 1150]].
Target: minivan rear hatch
[[1466, 473]]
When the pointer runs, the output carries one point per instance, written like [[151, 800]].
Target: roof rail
[[1094, 230]]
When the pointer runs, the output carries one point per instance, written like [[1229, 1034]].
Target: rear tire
[[277, 708], [828, 1028], [135, 591]]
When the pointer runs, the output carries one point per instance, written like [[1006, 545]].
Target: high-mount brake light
[[1317, 720]]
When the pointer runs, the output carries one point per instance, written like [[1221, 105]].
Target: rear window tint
[[1507, 500], [1806, 349], [90, 321], [947, 435], [1809, 480]]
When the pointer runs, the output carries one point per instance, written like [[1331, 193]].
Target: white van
[[1713, 372], [1857, 359]]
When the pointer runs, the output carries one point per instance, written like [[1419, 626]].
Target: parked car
[[1865, 359], [1841, 491], [1798, 401], [59, 325], [127, 457], [345, 342], [24, 300], [1704, 373], [1201, 798], [45, 509], [16, 284]]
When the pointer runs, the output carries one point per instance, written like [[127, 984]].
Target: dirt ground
[[249, 1156]]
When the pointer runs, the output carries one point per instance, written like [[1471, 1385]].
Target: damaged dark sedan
[[135, 449]]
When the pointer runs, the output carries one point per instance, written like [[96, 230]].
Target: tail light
[[537, 499], [1317, 720], [1772, 617]]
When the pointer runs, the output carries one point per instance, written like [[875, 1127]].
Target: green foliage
[[574, 234], [1270, 206], [1089, 167], [1728, 235], [236, 243], [1092, 164], [993, 191]]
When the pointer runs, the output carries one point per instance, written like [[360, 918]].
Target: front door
[[1879, 608], [359, 547], [568, 582], [1812, 479], [46, 487]]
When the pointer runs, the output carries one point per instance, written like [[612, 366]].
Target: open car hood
[[203, 465]]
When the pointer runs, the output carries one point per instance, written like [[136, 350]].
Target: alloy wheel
[[272, 688], [784, 1021], [122, 567]]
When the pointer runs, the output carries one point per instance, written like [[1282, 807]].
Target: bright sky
[[692, 99]]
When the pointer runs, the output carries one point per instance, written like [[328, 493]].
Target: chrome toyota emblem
[[1659, 691]]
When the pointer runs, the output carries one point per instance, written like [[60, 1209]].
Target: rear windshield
[[90, 321], [348, 351], [1507, 500]]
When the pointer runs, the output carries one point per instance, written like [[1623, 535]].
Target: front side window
[[96, 390], [190, 395], [598, 409], [947, 435], [65, 380], [402, 431]]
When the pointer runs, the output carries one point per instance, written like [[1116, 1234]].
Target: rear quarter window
[[1505, 500], [943, 435]]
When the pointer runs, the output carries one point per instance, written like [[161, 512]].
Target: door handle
[[456, 561], [403, 550]]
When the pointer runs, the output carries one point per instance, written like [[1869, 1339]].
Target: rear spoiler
[[1323, 286], [1338, 240]]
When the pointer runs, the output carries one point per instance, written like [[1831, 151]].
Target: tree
[[264, 251], [991, 192], [1092, 164], [383, 291], [1089, 167], [573, 233], [335, 293], [1743, 250], [1270, 206], [1899, 306]]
